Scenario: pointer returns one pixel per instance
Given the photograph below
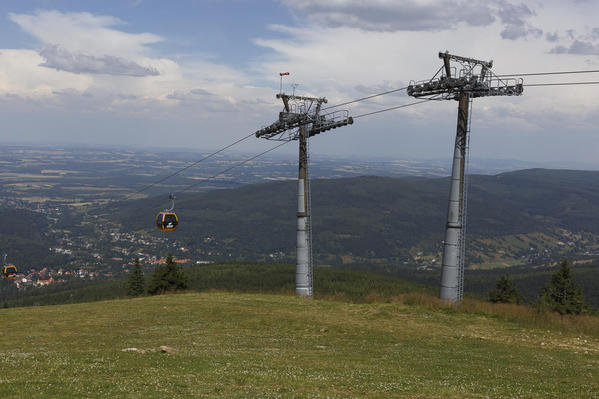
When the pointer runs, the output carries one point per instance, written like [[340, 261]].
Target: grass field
[[269, 346]]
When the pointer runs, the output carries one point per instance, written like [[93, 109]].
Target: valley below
[[80, 215]]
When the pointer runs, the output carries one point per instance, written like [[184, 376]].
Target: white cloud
[[60, 58], [21, 75], [386, 15], [86, 54], [345, 62], [341, 53], [577, 47], [417, 15], [86, 33]]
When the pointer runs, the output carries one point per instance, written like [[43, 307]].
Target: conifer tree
[[506, 291], [136, 281], [562, 294], [168, 277]]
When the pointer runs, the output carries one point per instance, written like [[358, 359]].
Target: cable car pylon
[[461, 79], [299, 120]]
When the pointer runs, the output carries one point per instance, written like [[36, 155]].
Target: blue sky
[[200, 74], [221, 30]]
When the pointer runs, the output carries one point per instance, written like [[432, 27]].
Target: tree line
[[561, 294], [168, 277]]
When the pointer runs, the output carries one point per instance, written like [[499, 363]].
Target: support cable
[[396, 107], [547, 73], [187, 167], [499, 76], [561, 84], [232, 167], [368, 114], [365, 98]]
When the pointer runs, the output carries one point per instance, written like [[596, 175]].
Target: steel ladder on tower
[[464, 208], [309, 221]]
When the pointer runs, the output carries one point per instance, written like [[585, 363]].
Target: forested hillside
[[531, 216], [25, 236]]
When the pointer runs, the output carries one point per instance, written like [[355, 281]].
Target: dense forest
[[378, 219], [354, 285], [25, 238], [479, 283], [237, 277]]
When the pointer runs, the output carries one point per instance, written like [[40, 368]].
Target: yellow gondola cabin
[[167, 221], [9, 272]]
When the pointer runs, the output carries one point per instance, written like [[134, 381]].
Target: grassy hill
[[531, 216], [257, 345]]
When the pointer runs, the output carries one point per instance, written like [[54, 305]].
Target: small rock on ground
[[168, 349]]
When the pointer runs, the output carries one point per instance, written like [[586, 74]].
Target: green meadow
[[277, 346]]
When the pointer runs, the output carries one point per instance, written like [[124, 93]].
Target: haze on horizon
[[201, 74]]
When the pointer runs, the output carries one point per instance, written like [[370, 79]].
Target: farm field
[[256, 345]]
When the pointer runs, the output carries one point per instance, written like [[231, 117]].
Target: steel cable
[[373, 113], [232, 167], [394, 108], [366, 98], [548, 73], [561, 84], [187, 167]]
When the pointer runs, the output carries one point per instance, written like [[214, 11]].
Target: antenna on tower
[[281, 74], [300, 119], [462, 79]]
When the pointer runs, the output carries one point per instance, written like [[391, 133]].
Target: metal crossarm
[[301, 111], [471, 76], [451, 88], [330, 121]]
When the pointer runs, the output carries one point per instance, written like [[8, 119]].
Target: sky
[[200, 74]]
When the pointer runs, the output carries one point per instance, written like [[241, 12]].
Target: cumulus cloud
[[60, 58], [385, 15], [552, 37], [514, 18], [85, 32], [85, 62], [417, 15], [343, 53], [86, 43], [21, 75], [577, 47], [579, 43]]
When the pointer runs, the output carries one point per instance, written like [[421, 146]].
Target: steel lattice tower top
[[303, 111], [471, 76]]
